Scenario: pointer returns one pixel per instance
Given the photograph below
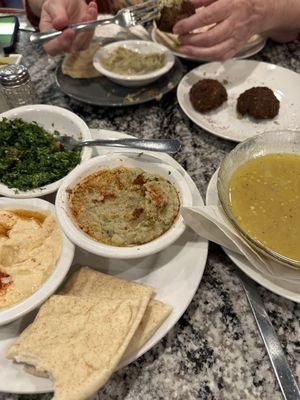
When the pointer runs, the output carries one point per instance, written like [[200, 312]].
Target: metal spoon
[[162, 145]]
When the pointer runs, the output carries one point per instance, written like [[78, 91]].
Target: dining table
[[215, 351]]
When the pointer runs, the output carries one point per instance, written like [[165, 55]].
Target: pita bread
[[80, 64], [88, 282], [79, 341], [156, 313]]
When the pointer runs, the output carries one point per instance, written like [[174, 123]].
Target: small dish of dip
[[133, 62], [35, 255], [123, 205]]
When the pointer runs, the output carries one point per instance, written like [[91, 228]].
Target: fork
[[138, 14], [170, 146]]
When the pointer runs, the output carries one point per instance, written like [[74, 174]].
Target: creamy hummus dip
[[30, 245], [124, 206]]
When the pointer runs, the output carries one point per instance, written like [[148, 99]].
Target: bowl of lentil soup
[[33, 162], [259, 191]]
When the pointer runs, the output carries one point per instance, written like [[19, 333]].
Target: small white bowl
[[60, 271], [142, 46], [51, 118], [145, 161]]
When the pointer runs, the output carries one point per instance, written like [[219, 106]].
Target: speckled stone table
[[214, 352]]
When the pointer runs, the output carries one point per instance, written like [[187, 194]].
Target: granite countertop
[[215, 350]]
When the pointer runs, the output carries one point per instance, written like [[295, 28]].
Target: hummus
[[30, 245], [124, 206]]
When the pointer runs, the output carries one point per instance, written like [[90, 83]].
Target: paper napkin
[[211, 223]]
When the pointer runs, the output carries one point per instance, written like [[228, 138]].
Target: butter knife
[[284, 375]]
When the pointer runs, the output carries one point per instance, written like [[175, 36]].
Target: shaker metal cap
[[13, 75]]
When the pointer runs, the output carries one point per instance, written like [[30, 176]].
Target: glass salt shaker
[[16, 85]]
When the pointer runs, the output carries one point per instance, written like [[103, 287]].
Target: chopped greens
[[31, 157]]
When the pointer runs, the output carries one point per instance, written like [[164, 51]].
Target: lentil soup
[[265, 200]]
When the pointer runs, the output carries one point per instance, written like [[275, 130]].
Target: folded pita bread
[[88, 282], [80, 64], [79, 341], [156, 313]]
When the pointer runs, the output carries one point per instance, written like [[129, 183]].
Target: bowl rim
[[85, 242], [170, 60], [59, 272], [51, 187], [253, 242]]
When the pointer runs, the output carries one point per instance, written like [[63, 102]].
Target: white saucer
[[242, 75], [288, 289]]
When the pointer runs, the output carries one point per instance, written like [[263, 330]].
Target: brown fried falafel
[[171, 14], [207, 95], [259, 102]]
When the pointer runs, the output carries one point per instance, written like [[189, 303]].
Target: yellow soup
[[265, 199]]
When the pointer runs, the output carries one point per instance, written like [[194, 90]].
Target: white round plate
[[175, 273], [288, 289], [242, 75], [249, 50]]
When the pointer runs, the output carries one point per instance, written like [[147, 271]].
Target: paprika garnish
[[5, 281]]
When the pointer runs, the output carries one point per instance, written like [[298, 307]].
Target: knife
[[277, 357]]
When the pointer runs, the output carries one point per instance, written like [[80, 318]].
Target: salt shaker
[[16, 85]]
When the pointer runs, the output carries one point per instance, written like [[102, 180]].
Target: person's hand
[[58, 14], [236, 21]]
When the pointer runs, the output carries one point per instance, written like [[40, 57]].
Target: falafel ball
[[259, 102], [207, 95], [170, 15]]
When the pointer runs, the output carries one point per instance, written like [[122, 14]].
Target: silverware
[[277, 357], [161, 145], [139, 14]]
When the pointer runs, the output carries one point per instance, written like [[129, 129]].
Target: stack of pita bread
[[80, 336]]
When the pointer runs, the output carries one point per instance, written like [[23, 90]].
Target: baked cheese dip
[[265, 200], [124, 206]]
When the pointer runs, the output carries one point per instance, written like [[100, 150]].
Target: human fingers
[[216, 12], [57, 13], [82, 39], [215, 35], [62, 44], [92, 14], [215, 53]]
